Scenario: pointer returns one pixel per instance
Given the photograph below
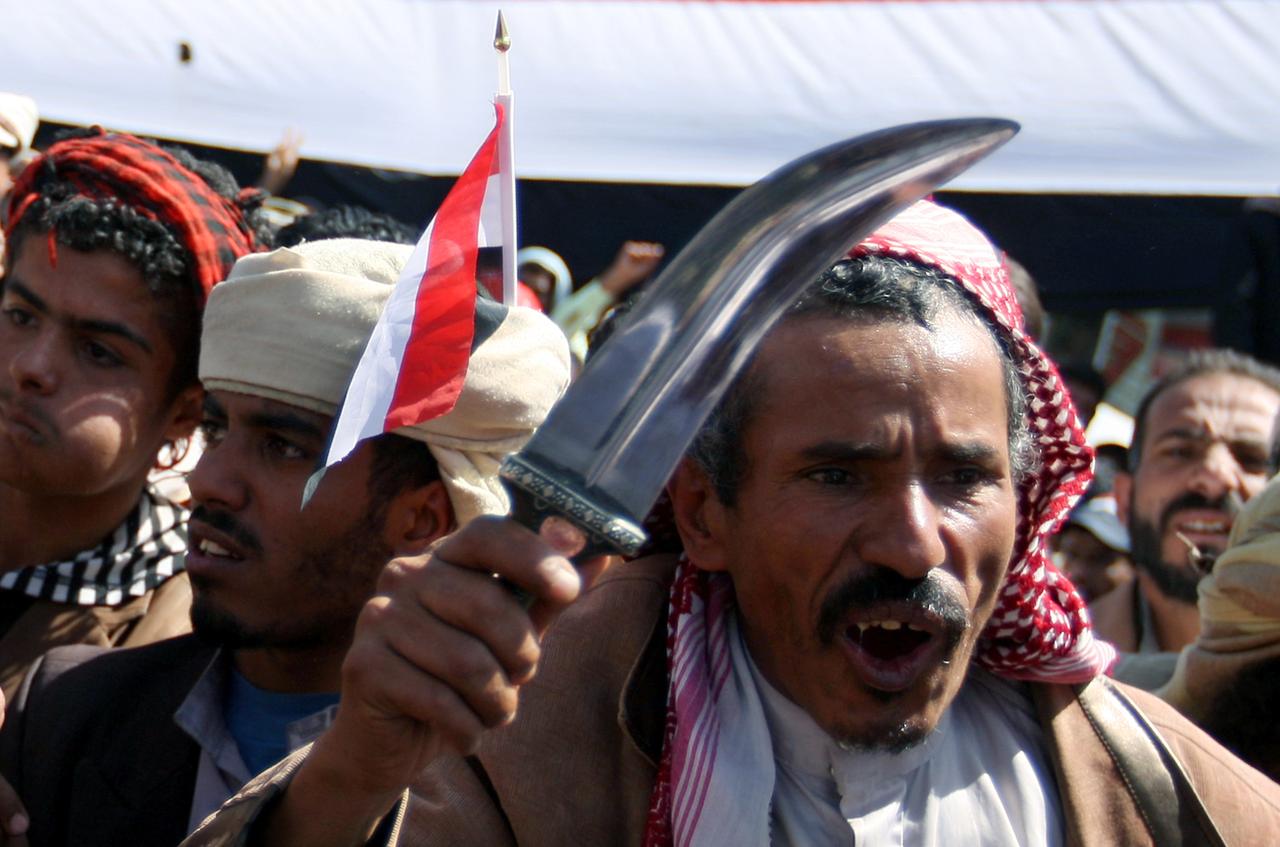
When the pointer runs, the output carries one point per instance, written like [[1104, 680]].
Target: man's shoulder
[[621, 607], [80, 676], [1096, 774], [90, 741], [1210, 766], [599, 640], [650, 572]]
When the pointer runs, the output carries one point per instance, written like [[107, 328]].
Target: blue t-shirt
[[258, 720]]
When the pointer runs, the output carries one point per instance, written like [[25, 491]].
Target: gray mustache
[[884, 585]]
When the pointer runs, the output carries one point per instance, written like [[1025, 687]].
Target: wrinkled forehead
[[1214, 405], [819, 359]]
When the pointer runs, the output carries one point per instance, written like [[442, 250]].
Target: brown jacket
[[578, 764], [161, 613]]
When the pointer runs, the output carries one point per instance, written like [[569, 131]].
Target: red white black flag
[[414, 365]]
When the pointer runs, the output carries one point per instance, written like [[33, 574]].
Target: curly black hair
[[85, 224], [345, 222]]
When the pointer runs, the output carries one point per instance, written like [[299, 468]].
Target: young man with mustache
[[138, 746], [113, 244], [1201, 449], [861, 641]]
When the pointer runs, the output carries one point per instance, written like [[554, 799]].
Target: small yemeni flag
[[414, 365]]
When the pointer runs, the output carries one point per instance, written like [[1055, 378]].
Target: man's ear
[[699, 514], [185, 413], [418, 517], [1122, 488]]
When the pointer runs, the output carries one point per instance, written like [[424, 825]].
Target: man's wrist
[[323, 805], [613, 283]]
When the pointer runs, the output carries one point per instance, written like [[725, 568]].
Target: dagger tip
[[501, 36]]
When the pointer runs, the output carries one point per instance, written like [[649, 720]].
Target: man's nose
[[903, 532], [216, 480], [1218, 472], [34, 367]]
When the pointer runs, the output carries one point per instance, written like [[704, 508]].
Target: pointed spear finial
[[502, 43], [501, 37]]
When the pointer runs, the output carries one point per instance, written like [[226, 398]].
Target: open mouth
[[891, 652], [211, 550], [887, 640], [216, 550], [1205, 527], [1205, 534]]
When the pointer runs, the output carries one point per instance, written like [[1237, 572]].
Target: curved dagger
[[607, 448]]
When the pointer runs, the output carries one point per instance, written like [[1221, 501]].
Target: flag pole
[[506, 162]]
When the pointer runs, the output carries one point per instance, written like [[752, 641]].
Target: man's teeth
[[1206, 526], [212, 548], [889, 625]]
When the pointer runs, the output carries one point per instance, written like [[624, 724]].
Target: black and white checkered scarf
[[139, 555]]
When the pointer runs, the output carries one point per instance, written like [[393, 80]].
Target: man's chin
[[893, 737], [891, 721], [1176, 578], [219, 628]]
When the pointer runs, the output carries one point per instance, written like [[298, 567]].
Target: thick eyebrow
[[1203, 434], [844, 451], [276, 418], [89, 324], [284, 421], [972, 453], [839, 451], [212, 408]]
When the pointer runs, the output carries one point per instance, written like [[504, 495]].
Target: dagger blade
[[608, 447]]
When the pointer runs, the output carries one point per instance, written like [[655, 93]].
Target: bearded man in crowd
[[1201, 449]]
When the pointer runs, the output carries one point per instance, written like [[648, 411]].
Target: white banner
[[1146, 96]]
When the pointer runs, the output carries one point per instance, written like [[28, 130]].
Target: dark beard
[[347, 572], [1176, 580]]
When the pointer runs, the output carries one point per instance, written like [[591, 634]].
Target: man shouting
[[862, 640]]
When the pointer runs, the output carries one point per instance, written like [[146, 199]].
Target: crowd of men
[[856, 633]]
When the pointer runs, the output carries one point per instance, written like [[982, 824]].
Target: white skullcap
[[290, 325], [18, 121], [550, 261]]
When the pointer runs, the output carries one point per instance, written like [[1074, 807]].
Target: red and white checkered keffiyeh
[[1040, 628]]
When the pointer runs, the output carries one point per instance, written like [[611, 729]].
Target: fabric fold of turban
[[152, 182], [1239, 610], [290, 325]]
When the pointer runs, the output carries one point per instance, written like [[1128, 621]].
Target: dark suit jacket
[[162, 612], [92, 749]]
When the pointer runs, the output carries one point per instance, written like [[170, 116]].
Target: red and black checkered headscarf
[[127, 170]]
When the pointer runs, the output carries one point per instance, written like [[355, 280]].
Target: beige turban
[[1239, 609], [290, 325], [18, 121]]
